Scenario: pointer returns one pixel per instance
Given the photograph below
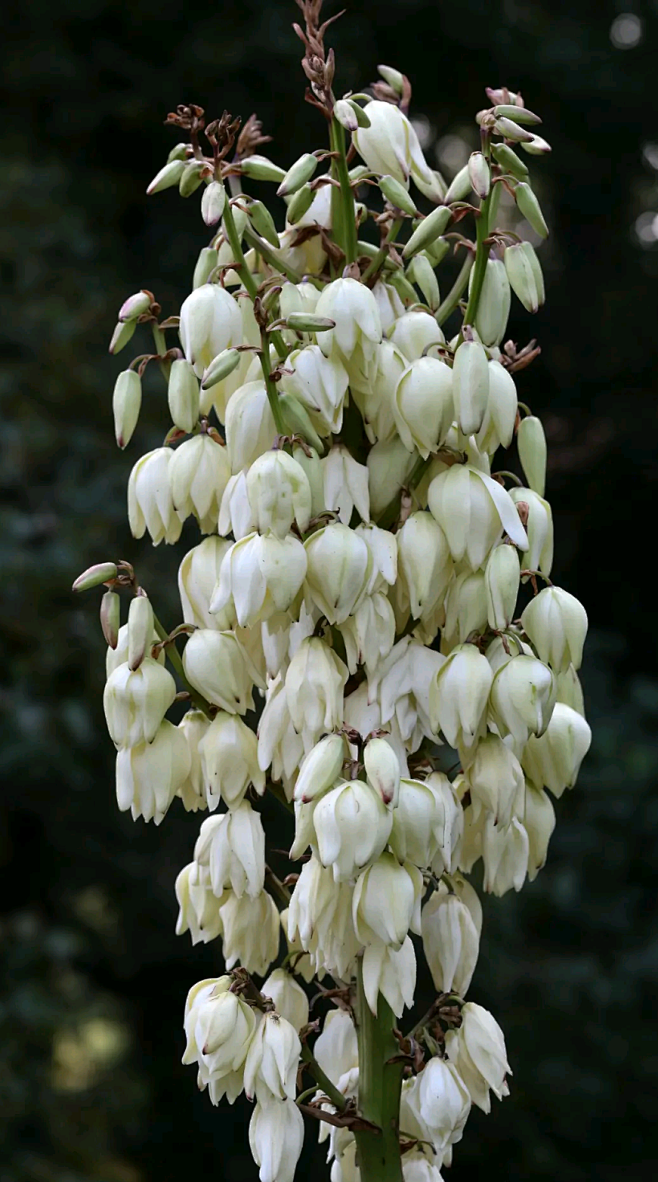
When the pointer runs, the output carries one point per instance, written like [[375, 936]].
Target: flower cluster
[[366, 640]]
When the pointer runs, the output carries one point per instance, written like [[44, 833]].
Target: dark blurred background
[[93, 977]]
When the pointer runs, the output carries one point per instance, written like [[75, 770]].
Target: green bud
[[111, 617], [183, 395], [531, 442], [220, 367], [421, 272], [524, 274], [479, 174], [362, 117], [190, 178], [358, 172], [395, 192], [102, 572], [213, 202], [508, 159], [520, 114], [259, 168], [298, 422], [536, 146], [263, 222], [167, 177], [345, 114], [205, 265], [307, 322], [126, 405], [300, 173], [178, 152], [404, 289], [429, 229], [460, 187], [511, 130], [494, 303], [437, 251], [531, 209], [394, 78], [300, 203], [121, 335], [366, 248]]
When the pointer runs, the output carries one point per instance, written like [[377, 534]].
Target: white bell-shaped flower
[[260, 575], [352, 826], [473, 511], [197, 578], [232, 847], [537, 552], [418, 824], [336, 1050], [198, 906], [481, 1053], [271, 1066], [369, 633], [320, 917], [315, 681], [415, 332], [320, 383], [228, 752], [523, 695], [553, 759], [251, 932], [450, 941], [497, 429], [502, 577], [390, 971], [339, 566], [358, 326], [219, 1026], [423, 406], [505, 855], [279, 493], [276, 1137], [470, 386], [150, 502], [149, 775], [345, 485], [539, 823], [390, 145], [217, 665], [444, 1102], [136, 700], [425, 563], [193, 726], [289, 998], [235, 515], [248, 424], [386, 901], [556, 623], [199, 472], [210, 322], [459, 696], [495, 778], [389, 464]]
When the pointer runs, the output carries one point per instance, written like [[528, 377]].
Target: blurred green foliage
[[93, 978]]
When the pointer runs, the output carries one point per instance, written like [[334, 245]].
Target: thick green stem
[[270, 386], [481, 255], [174, 656], [448, 305], [336, 1097], [377, 261], [343, 215], [380, 1082]]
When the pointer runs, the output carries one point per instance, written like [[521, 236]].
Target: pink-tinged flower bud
[[537, 554], [502, 577], [126, 405], [390, 971], [444, 1102], [473, 510], [470, 386], [148, 775], [199, 473], [345, 113], [251, 932], [556, 623], [495, 778], [279, 493], [217, 666], [248, 424], [479, 174], [431, 228], [352, 826], [553, 759], [213, 202], [525, 275], [210, 321], [111, 618], [414, 332], [320, 768], [424, 562], [386, 902], [140, 630], [228, 751], [198, 908], [136, 305], [423, 406], [136, 701], [95, 576], [459, 694], [121, 335], [271, 1066], [183, 395], [289, 998], [511, 130], [339, 567], [150, 504], [119, 655], [197, 578], [231, 847], [276, 1137], [167, 177], [494, 304], [522, 698], [531, 442], [530, 208], [536, 146], [383, 770]]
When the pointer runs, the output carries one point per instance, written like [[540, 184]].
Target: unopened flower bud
[[398, 195], [531, 442], [352, 826], [167, 177], [424, 562], [190, 178], [512, 111], [345, 113], [298, 420], [183, 395], [386, 902], [537, 553], [479, 174], [263, 222], [339, 565], [299, 173], [216, 665], [511, 130], [126, 405], [459, 695], [502, 577], [394, 78], [213, 202], [421, 272], [94, 576], [525, 275], [136, 305], [140, 630], [450, 941], [494, 304], [553, 759], [522, 698], [259, 168], [121, 335], [220, 367], [530, 208], [382, 770], [136, 701], [431, 228], [508, 159], [111, 618], [320, 768], [470, 386], [460, 186], [423, 406], [206, 263]]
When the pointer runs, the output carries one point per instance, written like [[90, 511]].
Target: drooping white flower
[[345, 485], [251, 932], [199, 907], [336, 1050], [150, 502], [199, 472], [279, 493], [210, 321], [197, 577], [217, 665], [228, 752], [473, 510], [352, 826], [276, 1136], [553, 759], [149, 774], [556, 623], [339, 566], [272, 1060], [450, 941], [136, 700], [459, 696], [259, 576], [320, 383], [232, 847], [289, 998], [387, 901], [523, 694], [249, 425], [390, 971]]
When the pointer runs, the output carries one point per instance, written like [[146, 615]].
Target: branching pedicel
[[352, 614]]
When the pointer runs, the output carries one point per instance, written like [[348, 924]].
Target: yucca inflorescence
[[366, 640]]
